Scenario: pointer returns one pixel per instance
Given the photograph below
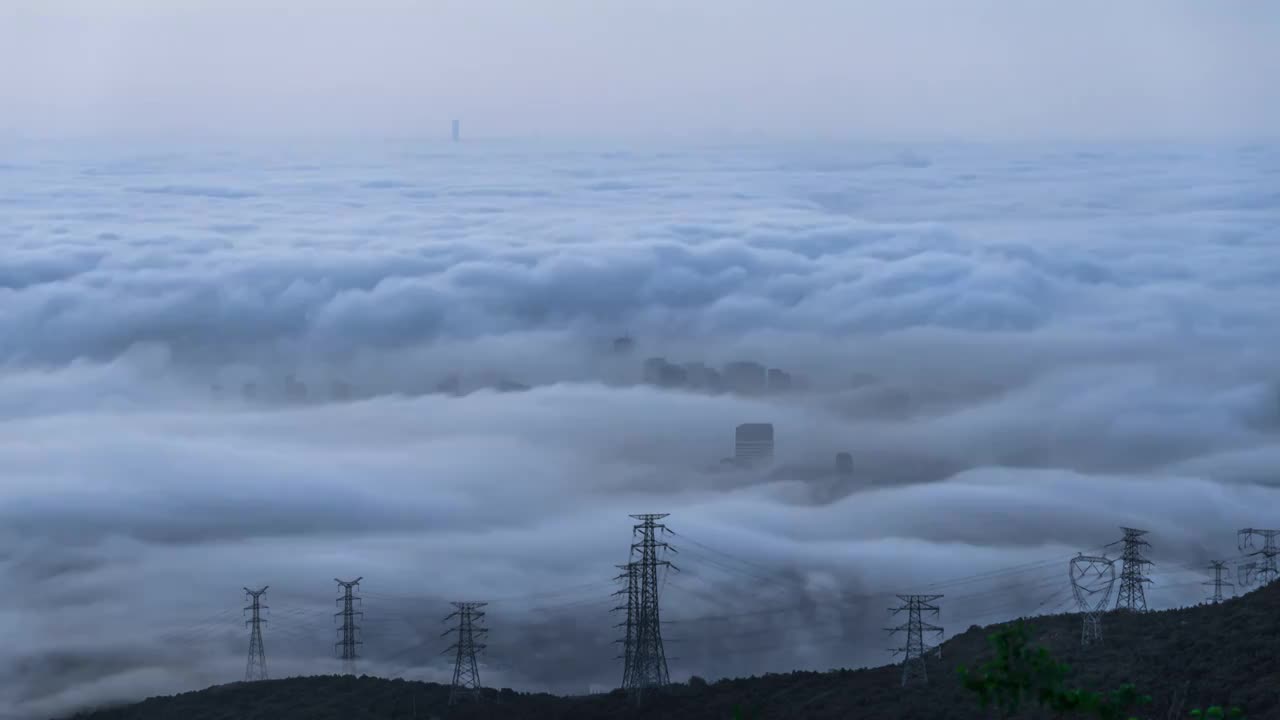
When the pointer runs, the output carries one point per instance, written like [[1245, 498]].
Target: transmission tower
[[256, 667], [1092, 579], [648, 658], [913, 665], [1263, 569], [1245, 573], [348, 645], [466, 671], [1218, 567], [1133, 572], [631, 576]]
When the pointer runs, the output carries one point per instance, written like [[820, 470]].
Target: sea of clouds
[[1023, 347]]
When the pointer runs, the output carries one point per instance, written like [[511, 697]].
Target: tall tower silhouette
[[256, 666], [1133, 572], [349, 642], [631, 590], [466, 671], [915, 649], [1264, 569], [648, 658], [1092, 579], [1218, 582]]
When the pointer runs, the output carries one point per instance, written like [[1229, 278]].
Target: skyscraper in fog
[[745, 377], [657, 371], [844, 464], [753, 444], [779, 380], [456, 131]]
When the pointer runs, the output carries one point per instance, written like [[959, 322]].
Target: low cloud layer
[[1022, 348]]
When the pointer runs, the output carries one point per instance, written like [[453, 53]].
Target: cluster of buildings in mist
[[740, 377], [753, 451], [289, 390], [754, 443]]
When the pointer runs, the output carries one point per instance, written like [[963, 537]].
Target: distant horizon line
[[705, 139]]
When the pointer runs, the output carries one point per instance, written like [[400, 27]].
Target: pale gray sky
[[975, 68]]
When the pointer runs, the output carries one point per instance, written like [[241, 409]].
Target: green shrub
[[1217, 713], [1021, 674]]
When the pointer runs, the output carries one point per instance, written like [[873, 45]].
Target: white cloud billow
[[1052, 343]]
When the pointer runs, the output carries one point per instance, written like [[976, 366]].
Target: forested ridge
[[1184, 658]]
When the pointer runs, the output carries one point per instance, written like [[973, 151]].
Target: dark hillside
[[1224, 654]]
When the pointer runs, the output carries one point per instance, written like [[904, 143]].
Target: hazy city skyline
[[912, 69]]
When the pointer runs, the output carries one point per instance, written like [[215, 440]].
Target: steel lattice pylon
[[256, 666], [1092, 579], [915, 650], [648, 660], [1264, 569], [466, 669], [349, 644], [1218, 567], [1246, 572], [1133, 572], [631, 589]]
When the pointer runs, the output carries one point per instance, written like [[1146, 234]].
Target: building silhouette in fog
[[457, 134], [753, 444], [653, 369], [700, 377], [779, 381], [745, 377], [844, 464], [657, 371]]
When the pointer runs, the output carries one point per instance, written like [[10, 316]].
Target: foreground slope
[[1184, 658]]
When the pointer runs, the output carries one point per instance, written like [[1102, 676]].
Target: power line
[[998, 572], [1004, 581], [847, 602], [833, 627], [843, 605], [566, 590], [768, 575], [1062, 595]]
